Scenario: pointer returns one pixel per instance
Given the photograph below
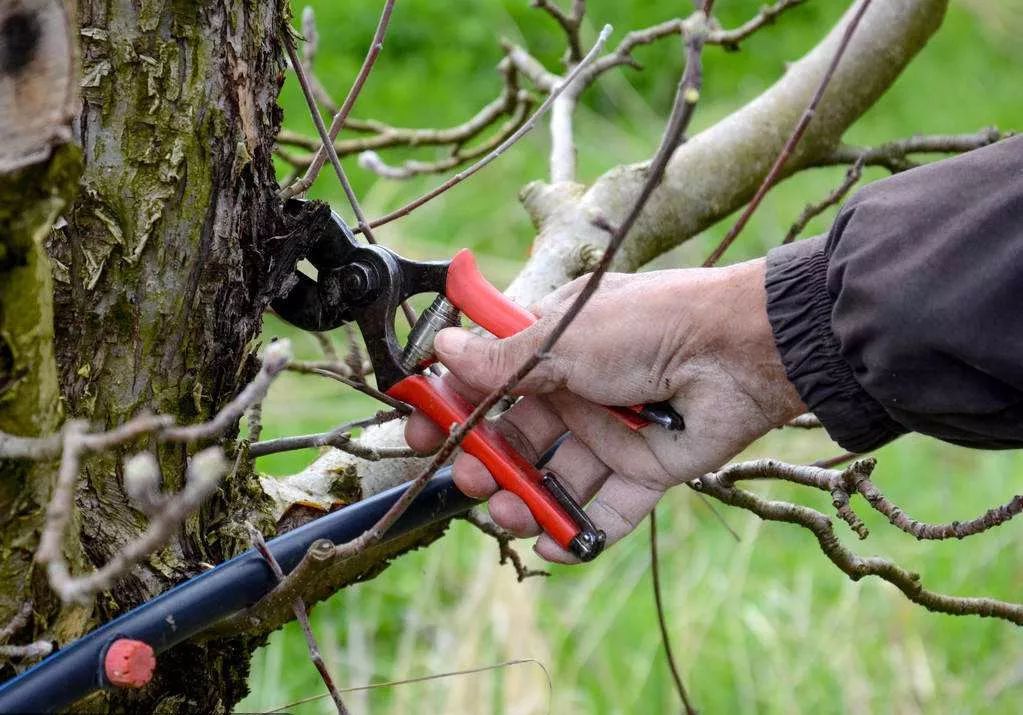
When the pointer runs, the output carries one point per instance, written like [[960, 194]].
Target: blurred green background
[[762, 625]]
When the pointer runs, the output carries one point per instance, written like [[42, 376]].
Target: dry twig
[[503, 146], [506, 551], [837, 194], [895, 155], [302, 615], [28, 651], [377, 44], [722, 486], [797, 133], [166, 512]]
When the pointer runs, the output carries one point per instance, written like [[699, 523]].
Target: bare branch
[[205, 470], [166, 512], [328, 370], [838, 459], [506, 551], [371, 161], [852, 565], [730, 39], [797, 133], [303, 618], [18, 622], [860, 482], [530, 67], [856, 479], [28, 652], [34, 448], [570, 22], [339, 438], [894, 155], [505, 145], [852, 176], [510, 102], [338, 121]]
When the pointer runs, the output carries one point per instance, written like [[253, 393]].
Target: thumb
[[487, 363]]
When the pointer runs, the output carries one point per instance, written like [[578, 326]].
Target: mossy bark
[[30, 406], [162, 273]]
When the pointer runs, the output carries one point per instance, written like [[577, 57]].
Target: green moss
[[30, 201]]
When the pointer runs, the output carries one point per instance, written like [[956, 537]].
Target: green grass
[[762, 625]]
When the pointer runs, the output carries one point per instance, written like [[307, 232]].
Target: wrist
[[749, 344]]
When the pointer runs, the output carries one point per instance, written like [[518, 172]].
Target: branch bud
[[277, 356], [142, 480]]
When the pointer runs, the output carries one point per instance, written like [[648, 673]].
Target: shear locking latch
[[589, 542]]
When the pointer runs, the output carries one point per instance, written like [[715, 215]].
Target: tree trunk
[[162, 273]]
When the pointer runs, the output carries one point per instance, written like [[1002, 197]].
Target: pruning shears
[[366, 284]]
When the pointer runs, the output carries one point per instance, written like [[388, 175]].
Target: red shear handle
[[510, 470], [488, 307]]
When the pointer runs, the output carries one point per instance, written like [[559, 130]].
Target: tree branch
[[852, 176], [504, 146], [854, 566], [797, 134], [894, 155], [203, 475], [718, 170], [339, 438], [377, 44], [302, 615], [570, 22]]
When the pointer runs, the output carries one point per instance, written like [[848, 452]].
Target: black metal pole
[[193, 606]]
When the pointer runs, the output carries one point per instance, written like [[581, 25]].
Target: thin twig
[[793, 140], [203, 474], [377, 44], [504, 146], [894, 155], [837, 194], [371, 161], [33, 448], [303, 618], [505, 550], [729, 39], [205, 470], [570, 22], [854, 566], [328, 140], [339, 438], [425, 678], [27, 652], [662, 623], [366, 389], [17, 622]]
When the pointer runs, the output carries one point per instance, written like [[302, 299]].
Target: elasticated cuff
[[799, 309]]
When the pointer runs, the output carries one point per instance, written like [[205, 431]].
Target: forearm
[[908, 316]]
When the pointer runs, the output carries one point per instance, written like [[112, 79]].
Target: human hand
[[698, 338]]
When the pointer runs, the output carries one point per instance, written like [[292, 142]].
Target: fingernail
[[451, 341]]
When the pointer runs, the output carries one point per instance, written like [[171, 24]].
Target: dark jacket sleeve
[[908, 315]]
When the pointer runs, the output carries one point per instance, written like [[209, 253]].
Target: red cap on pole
[[129, 663]]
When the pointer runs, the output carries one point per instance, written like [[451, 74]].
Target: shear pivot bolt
[[129, 663], [358, 281]]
